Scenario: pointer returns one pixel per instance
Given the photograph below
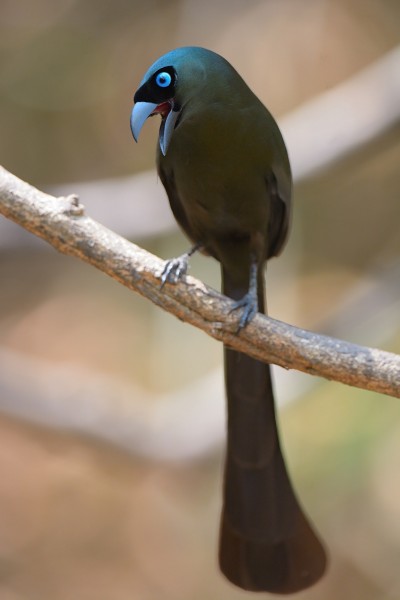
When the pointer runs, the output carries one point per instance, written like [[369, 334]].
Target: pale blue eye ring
[[163, 79]]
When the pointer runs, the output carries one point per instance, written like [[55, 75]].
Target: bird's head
[[173, 82]]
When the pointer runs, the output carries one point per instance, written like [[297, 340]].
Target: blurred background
[[112, 412]]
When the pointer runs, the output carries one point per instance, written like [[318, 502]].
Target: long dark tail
[[266, 542]]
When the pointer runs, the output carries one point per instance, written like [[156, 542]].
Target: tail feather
[[266, 542]]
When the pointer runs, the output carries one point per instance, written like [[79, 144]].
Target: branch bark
[[62, 223]]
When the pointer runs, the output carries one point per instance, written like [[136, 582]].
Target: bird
[[225, 168]]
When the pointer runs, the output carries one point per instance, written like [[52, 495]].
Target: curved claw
[[249, 304], [175, 269]]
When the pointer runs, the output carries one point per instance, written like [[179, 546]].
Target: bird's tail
[[266, 542]]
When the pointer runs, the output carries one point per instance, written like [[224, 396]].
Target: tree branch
[[62, 223]]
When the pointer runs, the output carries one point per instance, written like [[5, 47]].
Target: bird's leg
[[249, 302], [175, 268]]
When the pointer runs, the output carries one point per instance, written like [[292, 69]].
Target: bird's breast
[[219, 174]]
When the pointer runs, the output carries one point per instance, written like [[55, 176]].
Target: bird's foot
[[175, 269], [249, 303]]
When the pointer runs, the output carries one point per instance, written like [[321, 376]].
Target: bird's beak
[[167, 129], [142, 110]]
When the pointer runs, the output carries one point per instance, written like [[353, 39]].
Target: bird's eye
[[163, 79]]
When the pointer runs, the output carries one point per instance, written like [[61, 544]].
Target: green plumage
[[225, 168]]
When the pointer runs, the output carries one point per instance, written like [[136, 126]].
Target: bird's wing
[[279, 217]]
